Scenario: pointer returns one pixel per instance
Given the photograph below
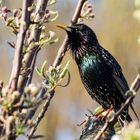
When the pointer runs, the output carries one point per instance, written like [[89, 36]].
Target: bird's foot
[[84, 121], [106, 113], [99, 114]]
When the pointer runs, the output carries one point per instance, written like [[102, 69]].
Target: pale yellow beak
[[66, 28]]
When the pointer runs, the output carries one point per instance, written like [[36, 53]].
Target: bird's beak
[[66, 28]]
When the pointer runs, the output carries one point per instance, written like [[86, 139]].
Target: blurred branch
[[41, 114], [18, 98], [25, 21], [41, 7], [9, 124], [133, 89], [57, 62]]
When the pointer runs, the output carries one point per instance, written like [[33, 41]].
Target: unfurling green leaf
[[51, 2], [43, 69], [41, 72], [47, 40], [53, 76], [87, 12], [65, 70], [54, 15], [98, 110]]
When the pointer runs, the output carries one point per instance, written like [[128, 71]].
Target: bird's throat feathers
[[81, 40], [81, 48]]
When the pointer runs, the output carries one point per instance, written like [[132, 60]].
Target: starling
[[99, 71]]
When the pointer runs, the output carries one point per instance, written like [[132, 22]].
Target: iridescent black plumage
[[100, 73]]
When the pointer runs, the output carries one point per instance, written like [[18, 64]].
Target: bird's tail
[[132, 108], [124, 117]]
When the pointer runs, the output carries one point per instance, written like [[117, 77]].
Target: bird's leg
[[105, 113], [84, 121], [99, 114], [96, 116], [102, 114]]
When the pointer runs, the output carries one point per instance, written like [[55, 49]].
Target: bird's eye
[[76, 30]]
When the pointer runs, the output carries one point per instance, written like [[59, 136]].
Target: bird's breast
[[92, 66]]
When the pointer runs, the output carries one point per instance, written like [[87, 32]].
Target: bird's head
[[80, 38]]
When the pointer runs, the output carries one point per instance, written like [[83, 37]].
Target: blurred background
[[117, 29]]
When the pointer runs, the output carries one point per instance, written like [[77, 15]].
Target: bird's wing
[[118, 76]]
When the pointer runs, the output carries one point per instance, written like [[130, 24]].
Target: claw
[[105, 113], [83, 122]]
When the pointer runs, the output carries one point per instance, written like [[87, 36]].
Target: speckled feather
[[97, 76], [100, 73]]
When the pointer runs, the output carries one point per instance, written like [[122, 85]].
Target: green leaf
[[64, 70], [47, 86], [41, 72], [53, 41], [51, 2], [38, 71], [98, 110], [43, 69], [54, 15]]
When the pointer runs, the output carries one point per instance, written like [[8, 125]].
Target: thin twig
[[25, 21], [63, 48], [57, 61], [41, 114], [136, 83], [133, 89]]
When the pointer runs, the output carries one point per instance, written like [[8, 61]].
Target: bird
[[100, 72], [93, 126]]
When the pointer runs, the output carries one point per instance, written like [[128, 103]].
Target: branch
[[41, 114], [133, 89], [63, 48], [34, 37], [9, 125], [25, 21], [57, 61]]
